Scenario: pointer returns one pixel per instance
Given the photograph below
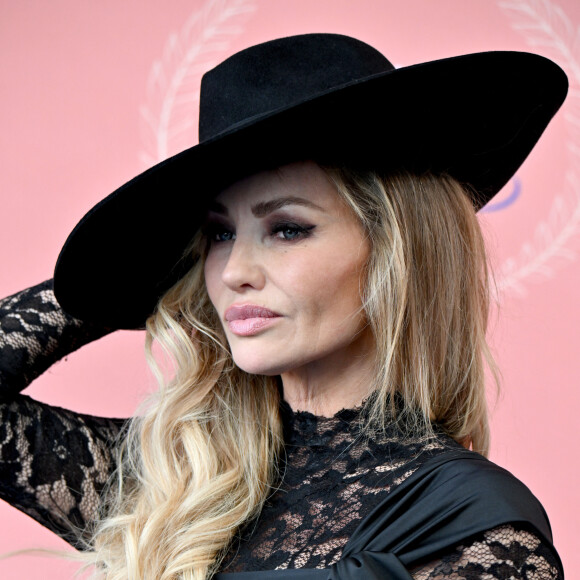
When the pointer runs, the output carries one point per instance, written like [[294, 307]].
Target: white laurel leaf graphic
[[169, 119], [548, 29], [550, 241]]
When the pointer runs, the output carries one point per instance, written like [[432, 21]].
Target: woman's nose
[[243, 268]]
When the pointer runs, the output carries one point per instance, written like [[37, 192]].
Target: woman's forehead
[[300, 183]]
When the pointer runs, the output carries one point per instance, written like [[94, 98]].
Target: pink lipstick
[[249, 319]]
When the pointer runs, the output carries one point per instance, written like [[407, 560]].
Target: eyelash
[[301, 232]]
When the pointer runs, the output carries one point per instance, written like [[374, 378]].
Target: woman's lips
[[249, 319]]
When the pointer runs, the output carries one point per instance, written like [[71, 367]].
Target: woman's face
[[284, 270]]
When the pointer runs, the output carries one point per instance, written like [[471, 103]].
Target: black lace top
[[54, 464]]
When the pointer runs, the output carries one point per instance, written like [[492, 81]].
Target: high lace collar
[[302, 428]]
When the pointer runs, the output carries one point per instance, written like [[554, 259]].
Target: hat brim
[[476, 117]]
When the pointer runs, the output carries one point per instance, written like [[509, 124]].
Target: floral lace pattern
[[54, 464], [503, 553], [333, 479]]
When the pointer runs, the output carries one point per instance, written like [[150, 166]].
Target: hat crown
[[279, 74]]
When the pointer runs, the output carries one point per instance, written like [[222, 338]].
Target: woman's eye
[[223, 236], [216, 233], [291, 231]]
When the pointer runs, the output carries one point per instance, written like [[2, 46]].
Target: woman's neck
[[340, 381]]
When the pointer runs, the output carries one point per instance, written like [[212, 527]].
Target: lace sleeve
[[34, 334], [502, 553], [53, 463]]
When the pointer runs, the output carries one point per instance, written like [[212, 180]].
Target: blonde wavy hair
[[200, 460]]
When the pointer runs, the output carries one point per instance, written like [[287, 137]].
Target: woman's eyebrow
[[263, 208], [217, 207]]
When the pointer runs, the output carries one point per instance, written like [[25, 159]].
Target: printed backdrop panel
[[94, 92]]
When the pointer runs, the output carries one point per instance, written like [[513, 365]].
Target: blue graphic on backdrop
[[511, 198]]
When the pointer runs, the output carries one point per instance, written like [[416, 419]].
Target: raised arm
[[54, 463]]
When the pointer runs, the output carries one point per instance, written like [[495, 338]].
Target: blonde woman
[[315, 269]]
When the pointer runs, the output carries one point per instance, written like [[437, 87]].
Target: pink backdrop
[[93, 92]]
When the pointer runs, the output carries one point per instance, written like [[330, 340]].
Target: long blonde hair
[[200, 460]]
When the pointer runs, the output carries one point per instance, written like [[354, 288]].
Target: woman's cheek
[[212, 277]]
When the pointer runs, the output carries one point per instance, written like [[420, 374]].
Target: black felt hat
[[325, 97]]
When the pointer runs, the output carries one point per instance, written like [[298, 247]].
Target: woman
[[315, 270]]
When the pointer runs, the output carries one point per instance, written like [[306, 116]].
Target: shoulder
[[453, 497], [483, 490]]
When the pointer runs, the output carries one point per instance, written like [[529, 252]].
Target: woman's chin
[[259, 366], [257, 369]]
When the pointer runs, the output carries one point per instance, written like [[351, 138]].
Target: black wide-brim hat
[[325, 97]]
